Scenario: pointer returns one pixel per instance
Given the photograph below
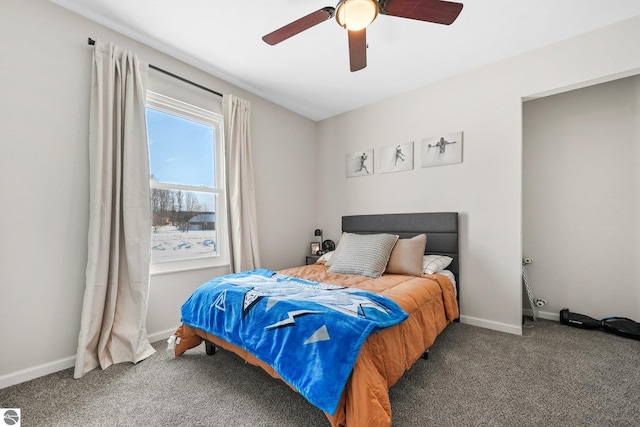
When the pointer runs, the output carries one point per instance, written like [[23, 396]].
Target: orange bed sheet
[[431, 304]]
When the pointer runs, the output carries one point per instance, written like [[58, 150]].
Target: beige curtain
[[243, 228], [112, 328]]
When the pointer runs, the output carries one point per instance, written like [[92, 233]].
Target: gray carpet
[[552, 375]]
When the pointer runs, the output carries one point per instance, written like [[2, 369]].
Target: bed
[[428, 302]]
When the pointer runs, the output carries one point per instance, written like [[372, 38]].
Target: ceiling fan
[[356, 15]]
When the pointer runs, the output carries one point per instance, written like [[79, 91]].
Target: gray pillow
[[363, 254]]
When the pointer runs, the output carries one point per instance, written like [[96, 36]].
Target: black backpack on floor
[[616, 325]]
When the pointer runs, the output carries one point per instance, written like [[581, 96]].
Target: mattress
[[429, 301]]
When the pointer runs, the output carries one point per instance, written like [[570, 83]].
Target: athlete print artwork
[[396, 158], [442, 150], [359, 163]]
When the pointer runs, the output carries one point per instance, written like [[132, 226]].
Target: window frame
[[168, 105]]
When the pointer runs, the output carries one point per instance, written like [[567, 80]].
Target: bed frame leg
[[209, 348], [425, 355]]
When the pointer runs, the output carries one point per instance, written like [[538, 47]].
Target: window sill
[[184, 266]]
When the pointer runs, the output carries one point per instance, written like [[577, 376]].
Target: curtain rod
[[92, 42]]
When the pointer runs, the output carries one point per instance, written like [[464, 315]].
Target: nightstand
[[311, 259]]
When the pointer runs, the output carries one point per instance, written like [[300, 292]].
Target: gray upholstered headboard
[[441, 229]]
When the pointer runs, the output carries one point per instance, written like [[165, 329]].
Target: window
[[187, 191]]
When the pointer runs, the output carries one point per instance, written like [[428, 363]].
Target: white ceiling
[[309, 73]]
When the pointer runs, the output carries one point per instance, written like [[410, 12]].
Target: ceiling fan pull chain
[[382, 6]]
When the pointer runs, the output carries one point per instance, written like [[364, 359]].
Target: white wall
[[45, 70], [487, 187], [581, 193], [45, 74]]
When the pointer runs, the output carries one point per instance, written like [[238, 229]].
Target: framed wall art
[[442, 150], [396, 158], [314, 248], [359, 163]]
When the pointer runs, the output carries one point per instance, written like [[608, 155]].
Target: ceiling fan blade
[[299, 25], [358, 49], [437, 11]]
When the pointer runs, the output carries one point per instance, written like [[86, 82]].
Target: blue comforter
[[309, 332]]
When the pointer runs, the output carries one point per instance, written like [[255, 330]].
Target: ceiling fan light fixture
[[354, 15]]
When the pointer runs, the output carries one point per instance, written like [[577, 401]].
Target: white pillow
[[326, 256], [363, 254], [433, 263]]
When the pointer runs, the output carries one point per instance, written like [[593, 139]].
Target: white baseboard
[[36, 371], [489, 324], [32, 373], [162, 335], [542, 314]]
